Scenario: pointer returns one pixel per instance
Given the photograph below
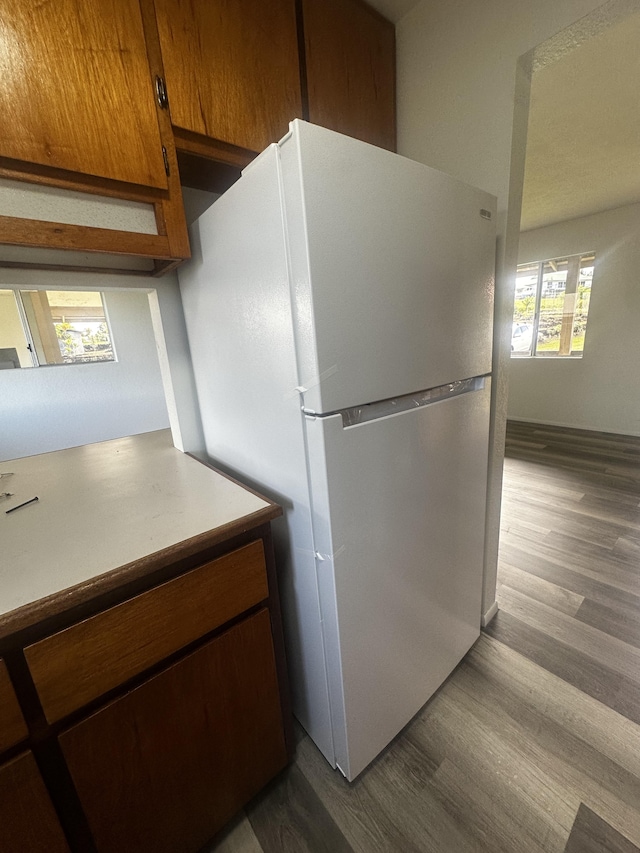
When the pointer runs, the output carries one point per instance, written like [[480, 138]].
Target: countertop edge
[[59, 602]]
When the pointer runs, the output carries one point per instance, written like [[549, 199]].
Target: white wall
[[601, 390], [11, 331], [50, 408], [456, 80], [458, 94]]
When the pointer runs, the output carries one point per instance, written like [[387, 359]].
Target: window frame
[[584, 260], [33, 344]]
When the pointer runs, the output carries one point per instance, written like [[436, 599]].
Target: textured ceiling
[[583, 145]]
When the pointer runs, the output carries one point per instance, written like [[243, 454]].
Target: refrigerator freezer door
[[392, 268], [398, 513]]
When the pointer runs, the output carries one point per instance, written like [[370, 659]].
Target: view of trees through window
[[551, 306], [42, 327], [84, 342]]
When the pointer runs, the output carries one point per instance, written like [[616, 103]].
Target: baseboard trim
[[572, 427], [490, 613]]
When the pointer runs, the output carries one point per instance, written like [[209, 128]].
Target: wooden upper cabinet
[[231, 68], [76, 92], [350, 62]]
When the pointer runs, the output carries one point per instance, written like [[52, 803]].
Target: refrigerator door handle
[[356, 415]]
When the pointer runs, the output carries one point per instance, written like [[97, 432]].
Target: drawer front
[[13, 728], [86, 660]]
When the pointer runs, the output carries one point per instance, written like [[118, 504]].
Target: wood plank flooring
[[533, 744]]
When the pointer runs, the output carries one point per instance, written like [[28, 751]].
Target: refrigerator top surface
[[392, 270]]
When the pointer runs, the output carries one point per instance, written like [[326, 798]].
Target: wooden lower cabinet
[[13, 728], [166, 766], [28, 822], [91, 657], [154, 711]]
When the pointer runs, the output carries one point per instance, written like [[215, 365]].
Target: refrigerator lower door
[[398, 508]]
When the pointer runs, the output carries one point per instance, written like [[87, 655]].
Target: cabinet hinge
[[166, 161], [161, 93]]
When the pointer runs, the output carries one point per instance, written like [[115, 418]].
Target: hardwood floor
[[533, 744]]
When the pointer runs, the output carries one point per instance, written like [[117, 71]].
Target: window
[[551, 306], [41, 327]]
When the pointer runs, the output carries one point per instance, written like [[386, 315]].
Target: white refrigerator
[[339, 308]]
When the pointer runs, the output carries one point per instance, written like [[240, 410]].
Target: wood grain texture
[[584, 488], [15, 231], [624, 626], [533, 743], [76, 92], [572, 665], [206, 148], [574, 446], [401, 783], [13, 728], [356, 810], [290, 818], [350, 70], [231, 68], [32, 173], [567, 760], [28, 823], [167, 765], [237, 837], [540, 590], [172, 243], [521, 684], [499, 828], [170, 215], [86, 660], [569, 575], [506, 779], [591, 834], [609, 651]]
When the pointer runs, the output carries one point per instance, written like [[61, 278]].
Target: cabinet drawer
[[13, 728], [86, 660]]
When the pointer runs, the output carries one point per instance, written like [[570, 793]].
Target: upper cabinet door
[[350, 62], [76, 92], [231, 68]]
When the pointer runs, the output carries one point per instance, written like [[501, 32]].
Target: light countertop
[[104, 506]]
